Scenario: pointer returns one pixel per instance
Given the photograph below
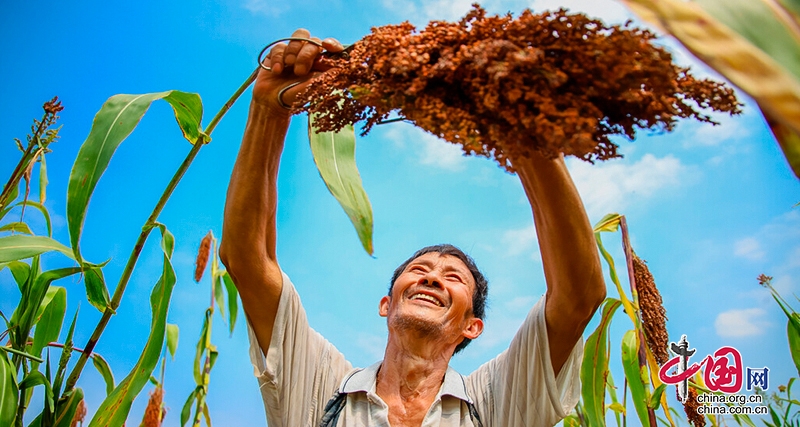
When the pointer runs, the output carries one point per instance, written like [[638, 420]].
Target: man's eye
[[455, 278]]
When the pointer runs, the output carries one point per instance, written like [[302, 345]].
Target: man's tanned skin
[[429, 311]]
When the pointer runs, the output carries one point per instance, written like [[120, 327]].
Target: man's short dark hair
[[481, 284]]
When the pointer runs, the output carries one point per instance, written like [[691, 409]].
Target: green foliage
[[636, 375], [9, 390], [594, 367], [335, 157], [114, 410], [113, 123]]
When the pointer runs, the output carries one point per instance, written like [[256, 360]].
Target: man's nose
[[431, 279]]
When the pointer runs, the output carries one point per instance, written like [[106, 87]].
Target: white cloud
[[264, 7], [606, 10], [740, 323], [521, 240], [616, 184], [709, 135], [749, 248], [371, 345], [426, 148]]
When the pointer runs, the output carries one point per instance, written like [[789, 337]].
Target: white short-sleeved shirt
[[302, 371]]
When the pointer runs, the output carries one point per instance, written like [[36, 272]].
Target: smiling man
[[434, 308]]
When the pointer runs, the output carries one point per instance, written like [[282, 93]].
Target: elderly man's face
[[433, 298]]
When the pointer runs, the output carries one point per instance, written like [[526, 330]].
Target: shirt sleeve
[[302, 369], [519, 387]]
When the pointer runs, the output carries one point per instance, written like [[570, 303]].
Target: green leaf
[[96, 290], [17, 227], [35, 378], [67, 406], [9, 391], [617, 407], [41, 209], [219, 295], [186, 412], [640, 393], [335, 157], [172, 339], [66, 354], [48, 296], [154, 381], [609, 223], [48, 328], [20, 246], [655, 398], [113, 123], [43, 181], [115, 408], [202, 344], [233, 298], [595, 366], [793, 333], [37, 294], [105, 371], [20, 271]]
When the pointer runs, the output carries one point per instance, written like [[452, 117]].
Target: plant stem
[[642, 352], [13, 180], [148, 226], [210, 315]]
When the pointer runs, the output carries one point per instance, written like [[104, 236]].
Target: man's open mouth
[[429, 298]]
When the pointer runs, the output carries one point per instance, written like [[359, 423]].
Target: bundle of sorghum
[[500, 87]]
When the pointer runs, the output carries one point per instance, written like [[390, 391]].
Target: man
[[434, 305]]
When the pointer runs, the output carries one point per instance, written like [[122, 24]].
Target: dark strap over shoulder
[[335, 406]]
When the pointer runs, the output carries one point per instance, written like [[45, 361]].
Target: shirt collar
[[364, 380]]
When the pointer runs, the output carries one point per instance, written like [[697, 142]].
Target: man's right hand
[[296, 62]]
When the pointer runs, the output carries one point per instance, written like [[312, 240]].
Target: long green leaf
[[35, 378], [20, 246], [67, 407], [20, 271], [793, 333], [595, 366], [640, 393], [40, 207], [105, 371], [115, 408], [233, 298], [37, 294], [186, 412], [219, 295], [113, 123], [200, 349], [96, 290], [9, 391], [48, 328], [17, 227], [335, 157], [172, 338]]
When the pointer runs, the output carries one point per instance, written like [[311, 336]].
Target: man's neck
[[409, 380]]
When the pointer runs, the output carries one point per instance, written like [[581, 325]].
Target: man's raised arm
[[575, 287], [248, 247]]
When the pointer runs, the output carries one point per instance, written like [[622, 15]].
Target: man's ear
[[474, 328], [383, 306]]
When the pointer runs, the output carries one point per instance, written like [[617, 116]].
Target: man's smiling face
[[432, 298]]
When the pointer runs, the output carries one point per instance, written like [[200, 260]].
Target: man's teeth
[[427, 298]]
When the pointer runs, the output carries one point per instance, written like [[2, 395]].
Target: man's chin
[[418, 324]]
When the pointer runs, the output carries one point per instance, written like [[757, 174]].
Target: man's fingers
[[290, 56], [332, 45], [305, 58], [276, 58]]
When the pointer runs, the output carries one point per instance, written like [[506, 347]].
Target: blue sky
[[710, 208]]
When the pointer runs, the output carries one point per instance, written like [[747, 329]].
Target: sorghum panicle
[[651, 306], [501, 87]]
